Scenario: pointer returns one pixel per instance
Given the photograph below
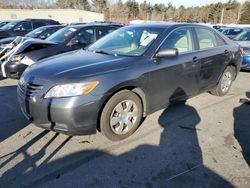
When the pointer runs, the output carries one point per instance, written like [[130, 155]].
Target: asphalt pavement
[[203, 143]]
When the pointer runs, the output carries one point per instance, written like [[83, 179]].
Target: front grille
[[29, 89]]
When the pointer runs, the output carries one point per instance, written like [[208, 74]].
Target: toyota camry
[[125, 76]]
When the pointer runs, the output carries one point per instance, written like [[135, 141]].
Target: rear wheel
[[121, 115], [225, 82]]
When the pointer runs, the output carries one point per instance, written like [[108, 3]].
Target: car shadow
[[174, 161], [11, 117], [242, 126]]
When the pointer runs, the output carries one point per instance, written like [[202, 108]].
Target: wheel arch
[[232, 64], [137, 90]]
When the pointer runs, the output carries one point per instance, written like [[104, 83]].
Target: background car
[[22, 27], [2, 23], [126, 75], [243, 40], [232, 32], [40, 33], [64, 40]]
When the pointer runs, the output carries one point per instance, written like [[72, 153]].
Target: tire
[[121, 115], [225, 82]]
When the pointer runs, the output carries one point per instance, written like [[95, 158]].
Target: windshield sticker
[[148, 39], [72, 29]]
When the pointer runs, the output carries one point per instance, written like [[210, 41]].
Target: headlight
[[16, 58], [70, 90]]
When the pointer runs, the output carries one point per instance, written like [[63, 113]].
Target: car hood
[[4, 34], [7, 40], [244, 43], [76, 65], [30, 43]]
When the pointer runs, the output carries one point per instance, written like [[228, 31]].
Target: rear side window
[[38, 24], [180, 39], [206, 38], [86, 36], [220, 41], [102, 31]]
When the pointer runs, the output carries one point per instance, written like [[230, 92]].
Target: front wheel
[[121, 115], [225, 82]]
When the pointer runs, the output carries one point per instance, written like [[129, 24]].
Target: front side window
[[46, 33], [62, 35], [180, 39], [35, 33], [24, 26], [102, 31], [127, 41], [206, 38]]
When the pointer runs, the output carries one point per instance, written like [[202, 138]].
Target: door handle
[[195, 59]]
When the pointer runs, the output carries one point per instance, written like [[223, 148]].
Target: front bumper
[[14, 69], [245, 63], [72, 115]]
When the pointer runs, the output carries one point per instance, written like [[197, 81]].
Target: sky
[[186, 3]]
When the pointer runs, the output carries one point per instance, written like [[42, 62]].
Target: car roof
[[166, 25], [50, 26], [32, 19], [91, 24]]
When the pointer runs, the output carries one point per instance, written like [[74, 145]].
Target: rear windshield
[[232, 31], [244, 36]]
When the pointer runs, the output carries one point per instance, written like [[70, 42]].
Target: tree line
[[231, 12]]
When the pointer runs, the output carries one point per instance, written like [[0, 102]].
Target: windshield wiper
[[101, 52]]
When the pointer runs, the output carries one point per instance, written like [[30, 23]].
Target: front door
[[175, 78]]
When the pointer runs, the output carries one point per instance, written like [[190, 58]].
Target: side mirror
[[42, 37], [167, 53]]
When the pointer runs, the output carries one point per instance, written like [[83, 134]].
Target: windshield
[[127, 41], [9, 26], [62, 35], [244, 36], [35, 33], [2, 24]]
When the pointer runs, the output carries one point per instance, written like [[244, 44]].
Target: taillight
[[241, 51]]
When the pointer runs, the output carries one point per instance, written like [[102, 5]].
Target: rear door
[[213, 55]]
